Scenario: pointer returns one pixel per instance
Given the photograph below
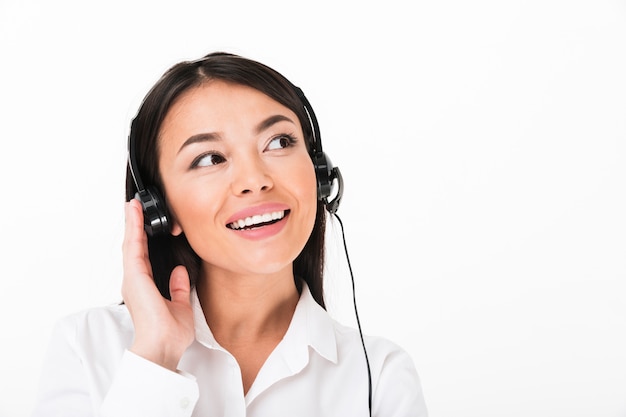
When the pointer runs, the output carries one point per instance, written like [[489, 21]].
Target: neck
[[247, 309]]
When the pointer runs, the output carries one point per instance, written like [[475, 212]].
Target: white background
[[483, 146]]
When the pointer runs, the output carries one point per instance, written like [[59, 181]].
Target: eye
[[281, 142], [207, 159]]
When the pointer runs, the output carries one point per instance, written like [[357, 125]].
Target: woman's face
[[238, 178]]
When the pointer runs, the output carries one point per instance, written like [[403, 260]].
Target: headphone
[[155, 216]]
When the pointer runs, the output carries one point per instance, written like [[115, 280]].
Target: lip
[[256, 210], [263, 232]]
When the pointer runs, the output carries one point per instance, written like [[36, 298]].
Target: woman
[[227, 177]]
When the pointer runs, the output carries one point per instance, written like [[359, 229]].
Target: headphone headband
[[317, 138], [132, 158]]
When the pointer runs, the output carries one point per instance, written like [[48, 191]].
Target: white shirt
[[317, 370]]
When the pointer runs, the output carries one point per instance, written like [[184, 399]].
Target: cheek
[[308, 194], [189, 206]]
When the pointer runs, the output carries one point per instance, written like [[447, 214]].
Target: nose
[[251, 176]]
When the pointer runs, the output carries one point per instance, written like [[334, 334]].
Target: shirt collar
[[204, 334], [310, 325]]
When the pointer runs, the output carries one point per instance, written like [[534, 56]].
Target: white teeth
[[257, 219]]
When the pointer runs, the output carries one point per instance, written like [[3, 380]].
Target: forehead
[[219, 102]]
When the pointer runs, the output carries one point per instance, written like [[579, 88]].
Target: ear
[[175, 229]]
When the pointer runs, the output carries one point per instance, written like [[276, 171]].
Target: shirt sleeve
[[63, 389], [398, 392], [142, 388], [79, 380]]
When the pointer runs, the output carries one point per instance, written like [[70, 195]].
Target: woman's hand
[[163, 328]]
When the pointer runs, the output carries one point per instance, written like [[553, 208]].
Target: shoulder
[[395, 380], [113, 314], [378, 346], [384, 355], [107, 324]]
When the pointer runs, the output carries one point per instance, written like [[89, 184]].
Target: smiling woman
[[224, 310], [255, 165]]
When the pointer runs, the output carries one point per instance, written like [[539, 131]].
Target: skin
[[248, 165]]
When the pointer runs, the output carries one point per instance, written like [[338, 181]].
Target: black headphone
[[155, 216]]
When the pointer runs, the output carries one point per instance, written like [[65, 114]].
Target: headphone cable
[[356, 313]]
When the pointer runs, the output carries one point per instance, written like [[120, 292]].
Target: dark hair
[[167, 251]]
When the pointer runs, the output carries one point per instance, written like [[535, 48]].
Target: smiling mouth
[[258, 220]]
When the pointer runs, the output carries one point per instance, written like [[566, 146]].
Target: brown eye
[[281, 142], [208, 159]]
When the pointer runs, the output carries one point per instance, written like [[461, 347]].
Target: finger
[[179, 285], [136, 261], [133, 232], [135, 245]]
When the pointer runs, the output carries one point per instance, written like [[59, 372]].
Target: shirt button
[[184, 402]]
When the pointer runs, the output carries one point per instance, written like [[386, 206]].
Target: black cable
[[356, 313]]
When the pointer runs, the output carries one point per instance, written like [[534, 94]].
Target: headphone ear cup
[[323, 173], [326, 175], [155, 219]]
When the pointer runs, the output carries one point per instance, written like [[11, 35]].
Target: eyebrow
[[212, 137], [200, 137], [272, 120]]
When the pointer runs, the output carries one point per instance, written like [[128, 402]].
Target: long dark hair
[[168, 251]]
